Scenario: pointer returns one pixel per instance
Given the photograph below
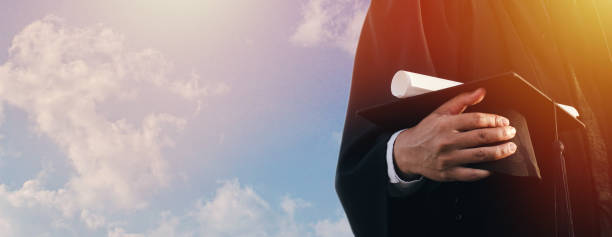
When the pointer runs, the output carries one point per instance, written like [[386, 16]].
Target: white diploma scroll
[[406, 84]]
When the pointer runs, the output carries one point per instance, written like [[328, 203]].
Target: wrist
[[403, 174], [406, 176]]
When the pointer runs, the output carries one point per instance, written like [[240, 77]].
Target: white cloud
[[168, 227], [290, 205], [6, 227], [331, 22], [236, 210], [91, 220], [102, 105], [221, 89], [64, 78], [329, 228], [120, 232]]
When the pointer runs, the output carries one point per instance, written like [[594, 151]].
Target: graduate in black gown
[[561, 47]]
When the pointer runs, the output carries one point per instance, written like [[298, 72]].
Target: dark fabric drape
[[560, 46]]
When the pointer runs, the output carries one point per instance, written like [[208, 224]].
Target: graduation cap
[[536, 117]]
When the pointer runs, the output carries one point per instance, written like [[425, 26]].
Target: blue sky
[[173, 118]]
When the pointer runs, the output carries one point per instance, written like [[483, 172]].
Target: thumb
[[460, 102]]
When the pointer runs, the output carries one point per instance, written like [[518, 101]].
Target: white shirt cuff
[[394, 179]]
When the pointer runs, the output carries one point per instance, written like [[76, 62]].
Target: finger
[[465, 174], [479, 154], [458, 104], [481, 136], [469, 121]]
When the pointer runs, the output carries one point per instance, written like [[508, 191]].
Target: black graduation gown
[[559, 46]]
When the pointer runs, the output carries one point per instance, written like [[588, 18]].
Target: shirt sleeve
[[399, 187]]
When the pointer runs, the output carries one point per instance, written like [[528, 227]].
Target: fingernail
[[512, 147], [511, 131], [504, 121]]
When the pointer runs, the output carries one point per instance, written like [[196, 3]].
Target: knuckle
[[444, 143], [441, 164], [505, 133], [490, 120], [486, 120], [480, 154], [443, 122], [499, 120], [480, 119], [500, 152], [483, 136], [443, 117], [440, 125]]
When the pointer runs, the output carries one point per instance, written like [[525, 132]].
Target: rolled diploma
[[406, 84]]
